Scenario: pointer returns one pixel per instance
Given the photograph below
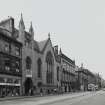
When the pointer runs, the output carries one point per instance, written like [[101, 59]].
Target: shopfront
[[9, 88]]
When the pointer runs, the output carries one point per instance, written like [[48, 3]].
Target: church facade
[[39, 63]]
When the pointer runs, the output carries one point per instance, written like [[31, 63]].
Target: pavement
[[84, 98], [22, 97], [97, 98]]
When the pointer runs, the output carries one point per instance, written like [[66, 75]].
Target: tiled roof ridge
[[42, 44], [68, 58], [1, 27]]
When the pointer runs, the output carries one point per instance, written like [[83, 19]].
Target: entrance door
[[28, 86]]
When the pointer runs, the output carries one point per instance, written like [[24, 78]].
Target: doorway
[[28, 86]]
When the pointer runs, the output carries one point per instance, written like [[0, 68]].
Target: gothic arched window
[[58, 73], [50, 64], [28, 63], [39, 63]]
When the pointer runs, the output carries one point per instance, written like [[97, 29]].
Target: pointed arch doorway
[[28, 86]]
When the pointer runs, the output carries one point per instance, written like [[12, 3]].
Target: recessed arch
[[28, 63], [57, 73], [49, 57], [50, 67], [39, 65], [28, 84]]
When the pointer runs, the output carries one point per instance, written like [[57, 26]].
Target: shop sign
[[9, 84]]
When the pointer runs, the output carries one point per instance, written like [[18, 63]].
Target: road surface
[[87, 98]]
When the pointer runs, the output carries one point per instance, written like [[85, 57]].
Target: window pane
[[17, 49]]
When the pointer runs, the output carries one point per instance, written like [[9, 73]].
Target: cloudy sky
[[77, 26]]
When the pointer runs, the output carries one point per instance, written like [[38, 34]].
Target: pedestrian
[[41, 92]]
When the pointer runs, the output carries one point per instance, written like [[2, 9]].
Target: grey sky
[[77, 26]]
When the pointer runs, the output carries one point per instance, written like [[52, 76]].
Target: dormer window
[[50, 68], [39, 63]]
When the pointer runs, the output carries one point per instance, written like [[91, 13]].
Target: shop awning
[[9, 84]]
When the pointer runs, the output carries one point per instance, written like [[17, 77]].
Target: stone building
[[98, 80], [85, 78], [68, 79], [91, 77], [10, 60], [82, 79], [58, 68], [38, 62]]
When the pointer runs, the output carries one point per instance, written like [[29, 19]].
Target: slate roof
[[36, 47], [67, 58], [5, 31], [42, 44], [8, 34]]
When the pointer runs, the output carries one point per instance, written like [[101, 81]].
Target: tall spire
[[81, 65], [31, 30], [49, 35], [60, 51], [21, 23]]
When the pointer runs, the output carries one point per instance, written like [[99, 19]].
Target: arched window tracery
[[50, 66], [57, 73], [28, 63], [39, 63]]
